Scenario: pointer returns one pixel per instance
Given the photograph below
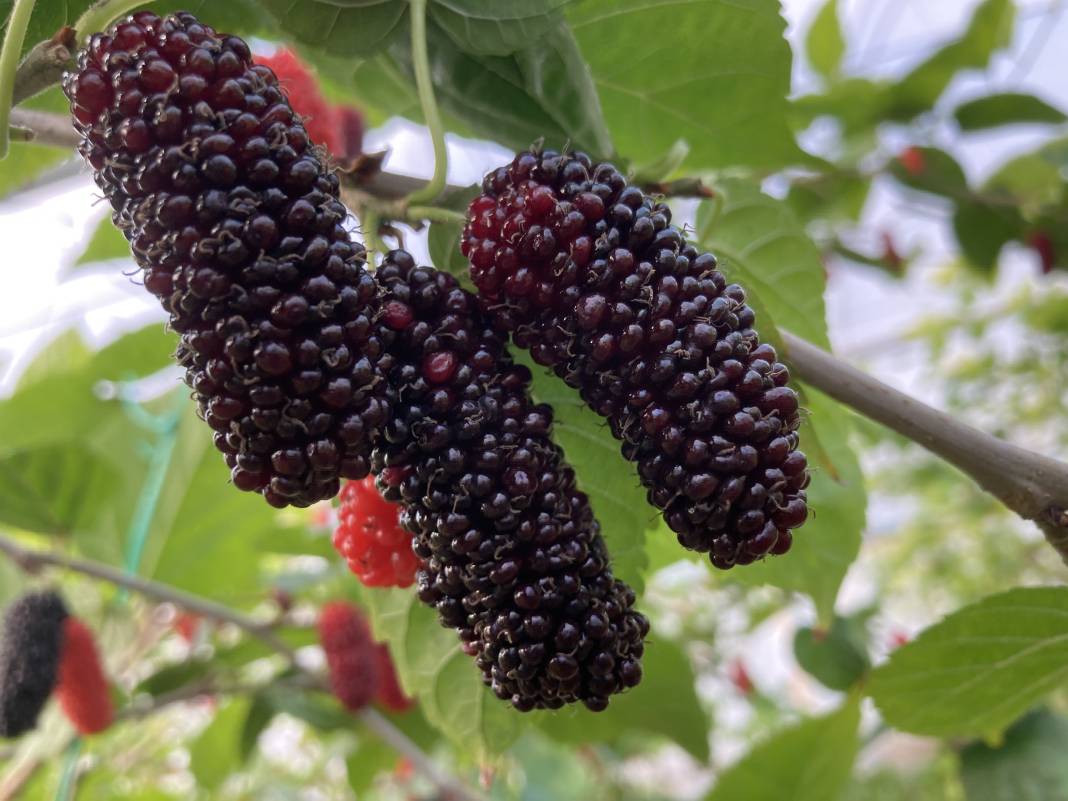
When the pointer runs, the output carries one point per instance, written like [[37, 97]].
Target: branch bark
[[1031, 485], [44, 65]]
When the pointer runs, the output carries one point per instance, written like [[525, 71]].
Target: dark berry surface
[[238, 228], [369, 535], [514, 559], [589, 275], [29, 659]]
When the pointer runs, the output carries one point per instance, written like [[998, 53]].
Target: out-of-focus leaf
[[106, 243], [174, 676], [831, 196], [763, 247], [496, 27], [983, 228], [810, 762], [319, 711], [1028, 765], [837, 656], [929, 169], [826, 545], [715, 74], [980, 668], [989, 30], [260, 714], [443, 240], [665, 704], [216, 752], [1008, 108], [346, 29], [825, 44]]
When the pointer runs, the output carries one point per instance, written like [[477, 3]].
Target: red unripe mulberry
[[390, 693], [371, 539], [82, 689], [302, 89], [351, 654]]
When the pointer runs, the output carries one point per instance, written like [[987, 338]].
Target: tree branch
[[44, 65], [1031, 485]]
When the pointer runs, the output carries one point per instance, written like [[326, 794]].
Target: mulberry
[[371, 539], [29, 659], [239, 230], [351, 654], [82, 689], [514, 558], [390, 694], [589, 275]]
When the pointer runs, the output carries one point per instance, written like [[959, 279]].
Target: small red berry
[[439, 367], [370, 537], [1043, 246], [739, 677], [390, 694], [912, 159], [187, 624], [351, 654], [397, 315], [82, 689]]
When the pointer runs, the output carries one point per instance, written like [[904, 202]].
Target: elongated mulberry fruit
[[514, 558], [390, 693], [82, 689], [239, 230], [29, 659], [351, 654], [590, 276], [371, 539]]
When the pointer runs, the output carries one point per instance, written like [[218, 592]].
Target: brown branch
[[44, 65], [1031, 485], [45, 127]]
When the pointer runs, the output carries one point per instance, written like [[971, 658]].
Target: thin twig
[[1030, 484], [48, 129], [29, 559], [44, 65]]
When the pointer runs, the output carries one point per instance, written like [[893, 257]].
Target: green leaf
[[825, 44], [66, 352], [25, 163], [664, 704], [259, 717], [341, 28], [318, 711], [617, 498], [1008, 108], [828, 543], [106, 243], [931, 170], [811, 761], [982, 230], [713, 73], [980, 668], [990, 29], [217, 750], [837, 657], [432, 668], [1028, 765], [496, 27], [174, 676], [763, 247]]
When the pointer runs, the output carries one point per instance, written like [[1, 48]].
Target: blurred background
[[941, 222]]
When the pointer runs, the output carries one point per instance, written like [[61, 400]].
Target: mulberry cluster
[[589, 274], [29, 659], [45, 650], [513, 556], [351, 654], [238, 228], [371, 539]]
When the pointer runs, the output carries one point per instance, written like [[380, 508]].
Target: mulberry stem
[[429, 104], [9, 62], [1030, 484]]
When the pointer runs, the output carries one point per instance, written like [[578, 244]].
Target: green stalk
[[65, 791], [429, 104], [436, 214], [99, 15], [21, 12]]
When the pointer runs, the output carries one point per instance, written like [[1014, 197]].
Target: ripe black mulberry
[[30, 655], [513, 557], [589, 275], [239, 230]]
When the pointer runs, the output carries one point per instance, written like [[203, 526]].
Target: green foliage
[[105, 244], [1009, 108], [1028, 765], [980, 668], [813, 759], [825, 44], [214, 753], [838, 656]]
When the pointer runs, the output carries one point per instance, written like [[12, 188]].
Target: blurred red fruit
[[390, 695], [351, 654], [81, 688], [1043, 245], [740, 678], [912, 160]]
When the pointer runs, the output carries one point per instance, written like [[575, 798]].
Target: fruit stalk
[[15, 35]]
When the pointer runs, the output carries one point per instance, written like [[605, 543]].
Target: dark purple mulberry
[[29, 659], [238, 227], [514, 558], [589, 275]]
